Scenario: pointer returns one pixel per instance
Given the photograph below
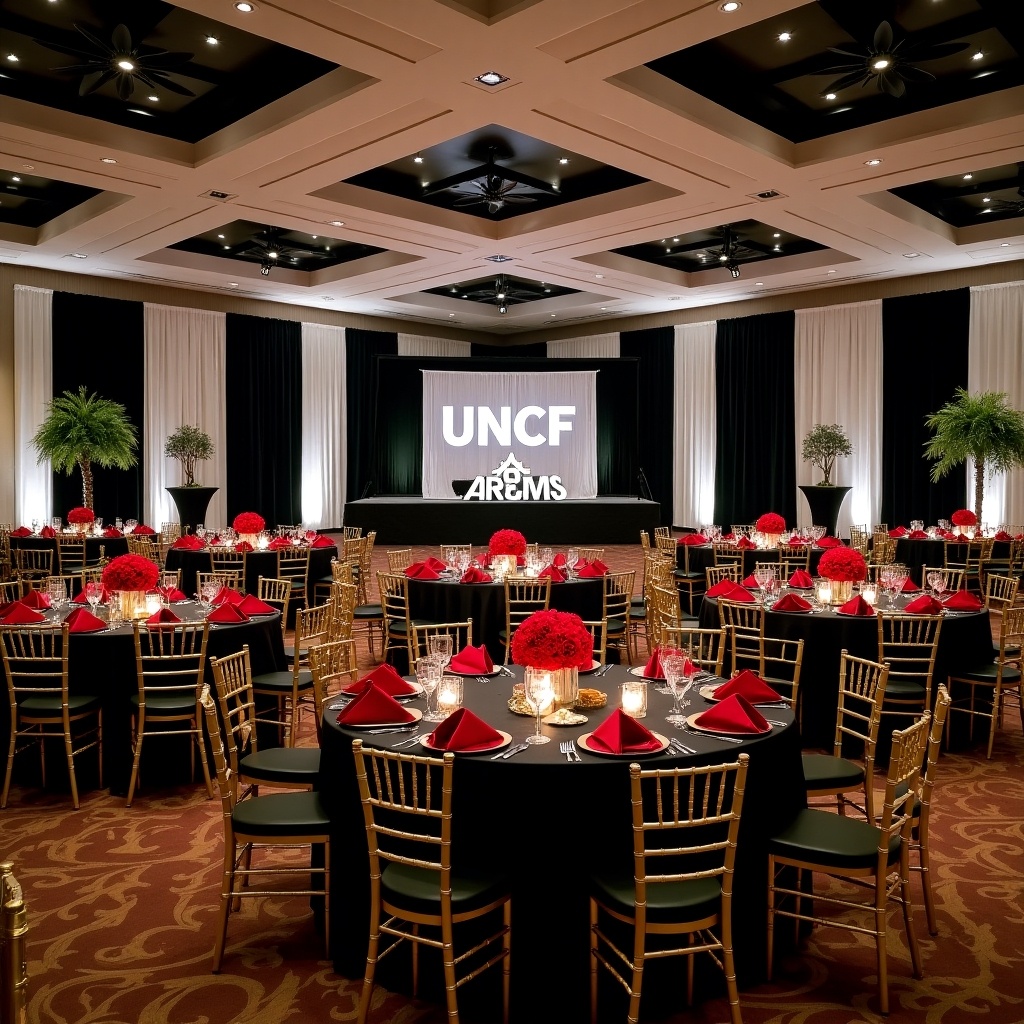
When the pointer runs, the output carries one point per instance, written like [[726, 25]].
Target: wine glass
[[440, 646], [666, 652], [130, 524], [937, 581], [538, 694], [762, 575], [428, 675], [674, 668], [572, 556], [93, 593]]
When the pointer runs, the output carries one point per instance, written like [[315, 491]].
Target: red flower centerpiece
[[555, 642], [82, 518], [248, 526], [770, 526], [962, 518], [506, 546], [127, 578], [843, 566]]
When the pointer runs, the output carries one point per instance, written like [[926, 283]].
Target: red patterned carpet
[[123, 909]]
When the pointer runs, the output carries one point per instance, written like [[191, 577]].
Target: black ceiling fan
[[493, 185], [120, 61], [732, 249], [272, 252], [500, 291], [1011, 206]]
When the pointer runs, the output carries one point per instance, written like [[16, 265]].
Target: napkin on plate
[[964, 601], [791, 603], [653, 669], [278, 543], [801, 580], [142, 530], [463, 731], [750, 686], [899, 531], [174, 594], [21, 531], [856, 606], [36, 599], [475, 575], [738, 593], [163, 617], [320, 541], [1002, 535], [227, 596], [484, 559], [227, 613], [81, 620], [559, 560], [110, 532], [733, 714], [553, 573], [48, 532], [472, 661], [188, 543], [375, 707], [693, 538], [723, 588], [923, 605], [591, 570], [244, 546], [254, 606], [750, 583], [910, 587], [745, 544], [421, 571], [19, 615], [385, 678], [917, 535], [830, 542], [620, 734], [435, 563]]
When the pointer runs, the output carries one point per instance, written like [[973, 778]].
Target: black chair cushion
[[281, 815], [822, 771], [692, 900], [397, 626], [904, 689], [987, 674], [418, 890], [167, 703], [831, 840], [615, 627], [281, 682], [298, 765], [77, 704], [368, 611]]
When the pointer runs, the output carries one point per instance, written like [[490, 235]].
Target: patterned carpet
[[123, 909]]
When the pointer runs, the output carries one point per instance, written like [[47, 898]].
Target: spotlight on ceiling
[[491, 78], [733, 269], [265, 267], [503, 308]]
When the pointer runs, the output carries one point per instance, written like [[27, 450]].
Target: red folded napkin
[[734, 714], [949, 535], [558, 560], [728, 537], [174, 594], [801, 580], [279, 542], [81, 620], [164, 615], [723, 588], [112, 531], [243, 545], [484, 559], [435, 563], [799, 540], [923, 605], [475, 575], [693, 538], [591, 570], [227, 596], [142, 530], [472, 661], [738, 593], [791, 603], [80, 597], [830, 542], [964, 601], [254, 606], [1002, 535], [899, 531], [620, 734], [21, 531], [227, 613], [553, 573], [214, 541], [421, 571], [36, 599], [464, 731], [321, 542], [48, 532], [745, 544], [910, 587], [385, 678], [375, 707], [750, 686], [20, 615], [750, 583], [856, 606], [653, 669], [188, 543], [917, 535]]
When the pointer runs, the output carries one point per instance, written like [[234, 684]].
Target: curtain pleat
[[33, 389], [595, 346], [694, 436], [324, 428], [362, 349], [755, 468], [415, 345], [924, 361], [264, 418]]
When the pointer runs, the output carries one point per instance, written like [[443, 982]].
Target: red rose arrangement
[[131, 572], [248, 522], [770, 522], [507, 542], [843, 564], [553, 640], [81, 514], [961, 517]]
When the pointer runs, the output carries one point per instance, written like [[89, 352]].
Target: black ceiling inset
[[31, 201], [196, 87], [784, 72], [993, 193], [292, 250], [747, 241], [502, 290], [495, 173]]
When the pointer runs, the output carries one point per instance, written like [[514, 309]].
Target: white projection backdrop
[[572, 456]]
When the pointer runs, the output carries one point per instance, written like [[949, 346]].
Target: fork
[[409, 740], [483, 679], [564, 748], [575, 753]]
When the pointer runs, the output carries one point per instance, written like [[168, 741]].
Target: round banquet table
[[451, 601], [548, 824], [915, 554], [965, 640], [104, 664], [701, 556], [257, 564], [112, 546]]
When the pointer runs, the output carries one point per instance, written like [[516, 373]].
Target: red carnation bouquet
[[843, 564], [770, 522], [248, 522], [507, 542], [131, 572], [961, 517], [80, 514], [553, 640]]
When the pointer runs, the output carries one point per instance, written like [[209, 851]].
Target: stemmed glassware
[[538, 693], [428, 675], [674, 668], [440, 646], [572, 556], [666, 652], [93, 593], [130, 524], [763, 575]]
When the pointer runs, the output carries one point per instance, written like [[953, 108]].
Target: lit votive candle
[[449, 694], [824, 592], [634, 698], [869, 591], [152, 603]]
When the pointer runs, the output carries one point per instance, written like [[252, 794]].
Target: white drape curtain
[[185, 383], [33, 389], [415, 345], [594, 346], [995, 362], [323, 426], [694, 439], [838, 371]]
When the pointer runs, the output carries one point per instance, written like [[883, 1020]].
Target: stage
[[410, 520]]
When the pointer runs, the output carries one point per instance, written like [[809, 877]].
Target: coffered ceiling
[[621, 142]]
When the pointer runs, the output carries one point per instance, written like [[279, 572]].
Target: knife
[[513, 750]]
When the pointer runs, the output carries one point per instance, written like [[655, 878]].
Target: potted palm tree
[[81, 429], [980, 427], [188, 445], [822, 446]]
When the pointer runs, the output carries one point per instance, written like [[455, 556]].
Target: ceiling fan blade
[[454, 179], [91, 82], [882, 41], [169, 83], [125, 85], [102, 48], [164, 60], [846, 81], [935, 51], [469, 200], [892, 85], [121, 39], [519, 199], [69, 51], [912, 74], [861, 53], [525, 179]]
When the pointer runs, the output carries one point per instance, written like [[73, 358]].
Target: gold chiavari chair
[[883, 549], [394, 603], [745, 624], [860, 539], [728, 554], [460, 632], [952, 579], [221, 578], [170, 532], [6, 566], [228, 560], [399, 559], [707, 646], [145, 546], [968, 557], [908, 645], [170, 578], [1000, 593], [365, 572], [10, 590], [667, 612], [412, 883], [72, 584], [645, 542], [590, 554], [341, 572], [351, 532], [278, 594], [617, 595], [448, 551], [598, 630], [293, 565], [793, 557], [689, 582], [32, 564], [523, 597], [70, 553], [714, 574], [330, 662], [13, 951]]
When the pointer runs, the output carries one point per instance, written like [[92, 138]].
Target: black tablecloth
[[112, 546], [549, 824], [703, 555]]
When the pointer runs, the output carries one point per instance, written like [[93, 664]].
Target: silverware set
[[572, 755], [506, 671], [676, 746], [504, 755], [602, 670], [409, 740]]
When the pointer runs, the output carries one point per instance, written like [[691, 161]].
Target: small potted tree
[[821, 447], [188, 445]]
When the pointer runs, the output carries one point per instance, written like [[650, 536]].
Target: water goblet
[[93, 593], [661, 686], [538, 694], [428, 675], [674, 668], [440, 646], [572, 556], [57, 523], [35, 525], [119, 523], [936, 580]]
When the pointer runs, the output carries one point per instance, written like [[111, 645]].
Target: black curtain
[[924, 360], [537, 350], [99, 343], [755, 468], [362, 349], [264, 417], [655, 349]]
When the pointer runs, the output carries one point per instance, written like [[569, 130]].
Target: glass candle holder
[[449, 695], [869, 591], [633, 700], [153, 604], [823, 592]]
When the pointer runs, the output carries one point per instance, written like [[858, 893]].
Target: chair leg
[[689, 973], [68, 753], [506, 965], [448, 955], [202, 760], [593, 962], [136, 756], [226, 893], [769, 944], [926, 886], [366, 992], [10, 767], [881, 951], [729, 964], [908, 914], [415, 963]]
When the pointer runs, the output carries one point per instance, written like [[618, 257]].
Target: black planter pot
[[825, 503], [191, 503]]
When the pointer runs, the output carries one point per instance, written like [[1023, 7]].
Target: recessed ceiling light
[[553, 314], [777, 248], [498, 259], [830, 95], [418, 158], [784, 37], [547, 291], [967, 177], [136, 110], [911, 255], [220, 237], [107, 160], [153, 99], [451, 314], [873, 162], [232, 284], [759, 284], [563, 160], [603, 308], [212, 40], [831, 271], [881, 64], [777, 234], [126, 65], [13, 58], [336, 223], [599, 276], [491, 78], [245, 8], [675, 239], [226, 246], [978, 55], [15, 177], [1004, 245], [987, 199], [729, 6]]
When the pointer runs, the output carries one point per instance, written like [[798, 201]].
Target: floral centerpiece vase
[[843, 567], [557, 643], [127, 578]]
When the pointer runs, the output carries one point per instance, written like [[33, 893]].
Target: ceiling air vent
[[766, 195], [221, 197]]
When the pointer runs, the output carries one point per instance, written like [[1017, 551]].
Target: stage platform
[[409, 520]]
